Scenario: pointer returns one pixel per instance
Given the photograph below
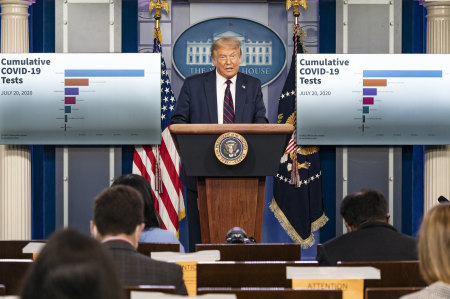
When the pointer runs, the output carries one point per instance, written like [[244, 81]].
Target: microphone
[[442, 199]]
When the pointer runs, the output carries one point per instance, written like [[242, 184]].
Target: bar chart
[[79, 80], [369, 94], [369, 99], [371, 86], [70, 94]]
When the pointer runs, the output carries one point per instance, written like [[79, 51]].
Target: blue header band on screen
[[104, 73], [403, 73]]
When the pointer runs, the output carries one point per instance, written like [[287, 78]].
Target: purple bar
[[71, 91], [369, 91], [70, 100], [367, 100]]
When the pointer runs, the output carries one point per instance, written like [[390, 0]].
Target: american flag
[[160, 164]]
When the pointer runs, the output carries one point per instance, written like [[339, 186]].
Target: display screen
[[96, 98], [373, 99]]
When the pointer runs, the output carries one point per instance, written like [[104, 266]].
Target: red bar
[[368, 100], [70, 100]]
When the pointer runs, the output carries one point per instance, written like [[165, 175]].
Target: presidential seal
[[231, 148]]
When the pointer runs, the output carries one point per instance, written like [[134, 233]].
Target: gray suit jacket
[[137, 269]]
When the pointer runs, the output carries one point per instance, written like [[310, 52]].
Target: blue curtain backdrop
[[327, 44], [413, 41], [42, 40]]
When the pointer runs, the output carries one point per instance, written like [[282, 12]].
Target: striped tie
[[228, 108]]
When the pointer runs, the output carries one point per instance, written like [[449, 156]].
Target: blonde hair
[[226, 42], [434, 244]]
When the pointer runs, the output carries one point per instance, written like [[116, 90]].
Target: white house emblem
[[263, 50]]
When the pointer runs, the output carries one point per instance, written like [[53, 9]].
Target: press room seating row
[[397, 277], [12, 249], [273, 293], [246, 274], [14, 263], [232, 274], [393, 273], [255, 252]]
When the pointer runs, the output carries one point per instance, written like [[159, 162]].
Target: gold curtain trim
[[286, 225], [181, 215]]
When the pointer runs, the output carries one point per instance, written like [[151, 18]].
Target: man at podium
[[221, 96]]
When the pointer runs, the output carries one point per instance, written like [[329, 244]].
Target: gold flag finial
[[296, 4], [157, 5]]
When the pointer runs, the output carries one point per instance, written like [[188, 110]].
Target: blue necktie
[[228, 108]]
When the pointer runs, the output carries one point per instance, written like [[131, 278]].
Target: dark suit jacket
[[137, 269], [197, 103], [373, 241]]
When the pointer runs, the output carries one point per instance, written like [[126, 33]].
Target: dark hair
[[72, 265], [364, 206], [142, 186], [118, 210]]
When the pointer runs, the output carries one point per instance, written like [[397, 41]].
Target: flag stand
[[160, 164]]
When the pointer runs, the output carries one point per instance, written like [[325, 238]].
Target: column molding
[[15, 161], [437, 158]]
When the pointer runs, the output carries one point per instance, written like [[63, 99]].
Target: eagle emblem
[[231, 148]]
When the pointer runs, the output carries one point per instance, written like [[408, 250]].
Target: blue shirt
[[158, 235]]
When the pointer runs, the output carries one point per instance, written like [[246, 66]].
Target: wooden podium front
[[230, 195]]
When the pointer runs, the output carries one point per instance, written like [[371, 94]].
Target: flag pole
[[295, 177], [296, 4], [157, 5], [294, 190]]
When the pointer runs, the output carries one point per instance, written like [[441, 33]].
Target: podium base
[[226, 202]]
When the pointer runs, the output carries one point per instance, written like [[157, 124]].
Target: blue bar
[[104, 73], [369, 91], [67, 109], [71, 91], [365, 109], [403, 73]]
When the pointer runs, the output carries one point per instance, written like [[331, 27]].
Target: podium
[[230, 195]]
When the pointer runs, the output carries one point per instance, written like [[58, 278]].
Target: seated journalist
[[221, 96], [370, 237], [72, 266], [152, 233], [118, 223], [434, 254]]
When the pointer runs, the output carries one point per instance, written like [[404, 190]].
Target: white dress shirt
[[221, 85]]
